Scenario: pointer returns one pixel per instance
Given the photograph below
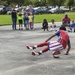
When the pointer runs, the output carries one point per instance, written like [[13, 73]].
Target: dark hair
[[20, 14], [44, 20], [52, 20], [62, 28]]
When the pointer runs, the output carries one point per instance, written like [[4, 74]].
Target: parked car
[[9, 10], [3, 11], [56, 10], [18, 9], [40, 10], [1, 8], [65, 8]]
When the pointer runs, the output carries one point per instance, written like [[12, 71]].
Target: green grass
[[56, 17], [6, 19]]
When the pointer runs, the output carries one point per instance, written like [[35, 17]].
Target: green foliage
[[56, 2], [39, 2], [69, 2], [73, 9], [4, 3]]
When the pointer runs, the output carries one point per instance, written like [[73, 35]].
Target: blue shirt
[[73, 25], [29, 10]]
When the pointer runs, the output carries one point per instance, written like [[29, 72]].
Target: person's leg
[[40, 52], [15, 23], [44, 29], [55, 28], [31, 25], [21, 25], [74, 29], [71, 29], [24, 23], [51, 29], [38, 45], [33, 22], [42, 44], [45, 50], [12, 23], [47, 28], [52, 46]]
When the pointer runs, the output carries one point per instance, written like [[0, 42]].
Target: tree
[[70, 3], [56, 2], [27, 2]]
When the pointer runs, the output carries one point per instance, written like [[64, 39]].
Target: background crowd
[[25, 20], [24, 17]]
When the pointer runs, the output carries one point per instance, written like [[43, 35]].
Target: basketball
[[56, 54]]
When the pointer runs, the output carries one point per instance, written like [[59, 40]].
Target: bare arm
[[68, 49], [50, 37]]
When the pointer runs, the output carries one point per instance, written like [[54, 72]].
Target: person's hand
[[66, 54], [45, 41]]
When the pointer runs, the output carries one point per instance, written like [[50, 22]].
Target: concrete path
[[15, 59]]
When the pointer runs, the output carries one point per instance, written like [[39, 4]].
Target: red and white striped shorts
[[55, 46]]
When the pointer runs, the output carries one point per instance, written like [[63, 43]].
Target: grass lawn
[[6, 19]]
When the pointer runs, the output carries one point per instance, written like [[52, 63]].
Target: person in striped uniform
[[56, 46]]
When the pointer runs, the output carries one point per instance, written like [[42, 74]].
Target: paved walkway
[[36, 26], [15, 59]]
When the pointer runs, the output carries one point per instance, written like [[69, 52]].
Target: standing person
[[66, 21], [24, 12], [14, 18], [31, 21], [45, 24], [31, 10], [20, 20], [56, 46], [53, 25], [27, 21]]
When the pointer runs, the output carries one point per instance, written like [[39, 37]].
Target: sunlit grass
[[6, 19]]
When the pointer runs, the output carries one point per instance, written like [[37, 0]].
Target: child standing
[[27, 21], [56, 46], [45, 25], [20, 20], [53, 25], [31, 20]]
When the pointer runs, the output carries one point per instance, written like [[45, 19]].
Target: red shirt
[[66, 20], [63, 37]]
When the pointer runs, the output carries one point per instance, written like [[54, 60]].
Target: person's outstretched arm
[[50, 37], [68, 49]]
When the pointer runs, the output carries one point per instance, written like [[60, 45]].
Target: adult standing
[[14, 19], [31, 10], [24, 14]]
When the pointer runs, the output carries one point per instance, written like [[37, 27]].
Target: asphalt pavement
[[16, 59]]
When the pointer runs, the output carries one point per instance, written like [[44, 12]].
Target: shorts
[[26, 21], [31, 23], [20, 21], [55, 46]]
